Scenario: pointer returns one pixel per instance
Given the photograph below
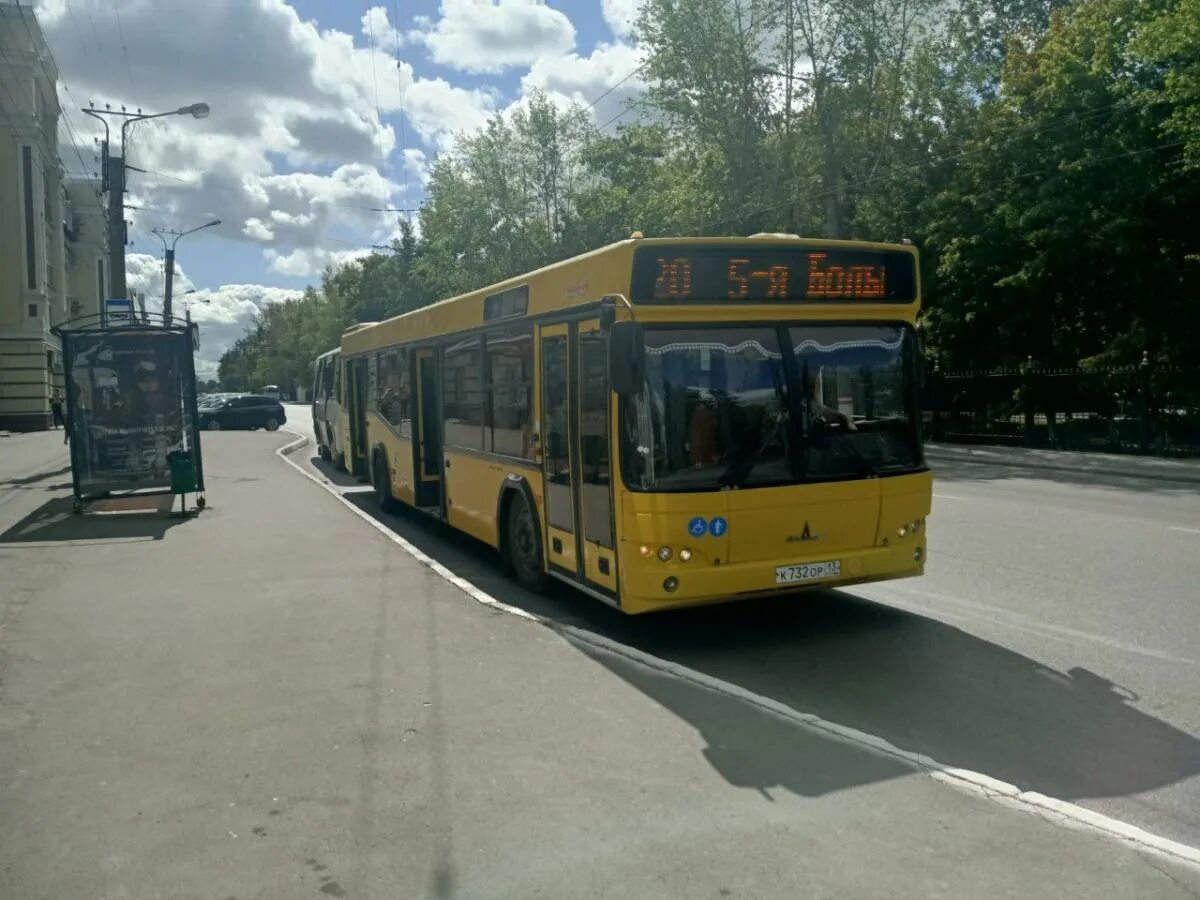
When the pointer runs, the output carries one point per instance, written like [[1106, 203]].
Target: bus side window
[[462, 394], [508, 417], [392, 396]]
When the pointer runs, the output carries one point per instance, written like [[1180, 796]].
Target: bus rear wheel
[[383, 485], [523, 548]]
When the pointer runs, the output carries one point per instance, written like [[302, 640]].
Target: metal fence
[[1133, 409]]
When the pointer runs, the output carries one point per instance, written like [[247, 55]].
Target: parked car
[[245, 411]]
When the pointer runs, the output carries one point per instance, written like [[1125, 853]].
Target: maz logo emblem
[[805, 535]]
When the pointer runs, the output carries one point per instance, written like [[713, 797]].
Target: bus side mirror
[[608, 315], [626, 358]]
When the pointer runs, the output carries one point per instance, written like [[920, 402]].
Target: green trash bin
[[183, 473]]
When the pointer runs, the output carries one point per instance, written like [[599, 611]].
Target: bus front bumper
[[645, 586]]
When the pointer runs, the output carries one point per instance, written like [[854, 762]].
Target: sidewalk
[[1112, 464], [274, 700]]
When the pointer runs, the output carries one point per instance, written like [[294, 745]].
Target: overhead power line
[[403, 111], [116, 4]]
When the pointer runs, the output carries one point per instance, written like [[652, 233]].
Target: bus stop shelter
[[131, 408]]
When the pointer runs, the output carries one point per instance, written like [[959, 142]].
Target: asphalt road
[[275, 700], [1054, 642]]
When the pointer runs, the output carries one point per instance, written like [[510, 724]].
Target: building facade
[[51, 230]]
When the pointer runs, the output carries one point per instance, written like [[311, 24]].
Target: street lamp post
[[169, 260], [187, 304], [114, 181]]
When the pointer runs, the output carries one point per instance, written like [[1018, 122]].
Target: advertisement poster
[[128, 408]]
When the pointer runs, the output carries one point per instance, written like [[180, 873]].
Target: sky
[[323, 113]]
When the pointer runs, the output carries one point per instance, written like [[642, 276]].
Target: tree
[[504, 201], [1062, 198]]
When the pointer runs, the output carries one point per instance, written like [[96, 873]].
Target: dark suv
[[246, 411]]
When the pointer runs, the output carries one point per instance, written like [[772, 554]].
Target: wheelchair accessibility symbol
[[697, 526]]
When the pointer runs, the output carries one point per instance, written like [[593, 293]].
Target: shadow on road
[[921, 684], [331, 472], [54, 520], [33, 479]]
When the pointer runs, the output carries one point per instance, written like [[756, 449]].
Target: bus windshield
[[726, 408]]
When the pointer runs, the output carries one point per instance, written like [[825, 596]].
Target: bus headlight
[[902, 531], [664, 553], [670, 584], [685, 554], [645, 550]]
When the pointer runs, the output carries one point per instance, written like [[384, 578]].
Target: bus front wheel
[[523, 548]]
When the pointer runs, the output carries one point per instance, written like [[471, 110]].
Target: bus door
[[558, 483], [576, 467], [594, 467], [356, 372], [427, 431]]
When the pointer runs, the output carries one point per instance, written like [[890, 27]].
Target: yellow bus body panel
[[856, 523]]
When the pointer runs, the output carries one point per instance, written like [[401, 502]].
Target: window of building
[[100, 291], [32, 310], [462, 394], [508, 418], [31, 268]]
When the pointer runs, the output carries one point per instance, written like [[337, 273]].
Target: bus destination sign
[[679, 274]]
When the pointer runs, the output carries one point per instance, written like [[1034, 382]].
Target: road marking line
[[1181, 528], [1049, 809], [946, 497]]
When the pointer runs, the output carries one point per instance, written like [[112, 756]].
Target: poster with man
[[129, 408]]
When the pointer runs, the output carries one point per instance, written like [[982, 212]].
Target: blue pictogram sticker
[[718, 527], [697, 526]]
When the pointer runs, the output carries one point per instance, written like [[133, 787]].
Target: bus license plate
[[808, 571]]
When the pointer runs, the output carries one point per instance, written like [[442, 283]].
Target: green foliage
[[1044, 154], [1063, 231]]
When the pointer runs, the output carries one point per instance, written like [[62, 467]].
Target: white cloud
[[493, 35], [306, 134], [305, 262], [608, 74], [258, 230], [223, 314], [144, 275], [621, 15], [417, 164], [439, 111], [284, 95], [379, 31]]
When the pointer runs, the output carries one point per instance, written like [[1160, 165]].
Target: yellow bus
[[662, 422]]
